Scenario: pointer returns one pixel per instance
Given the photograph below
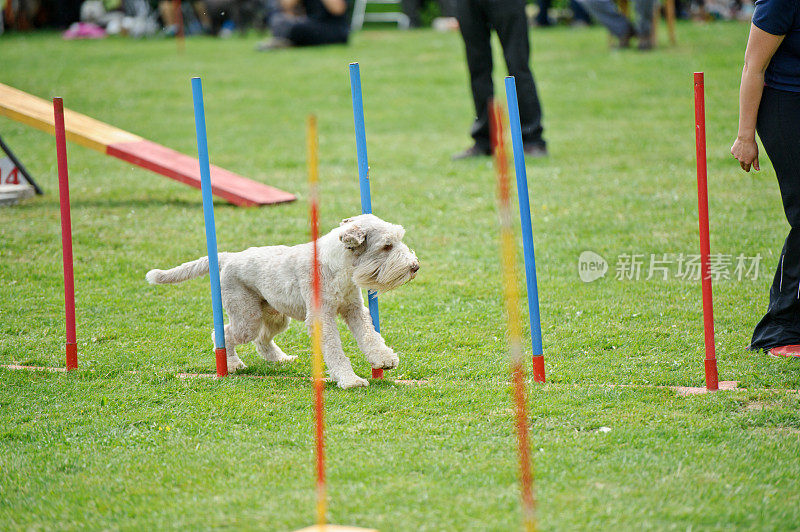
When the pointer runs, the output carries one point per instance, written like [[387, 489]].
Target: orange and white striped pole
[[511, 296]]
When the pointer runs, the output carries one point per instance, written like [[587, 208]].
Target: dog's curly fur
[[265, 286]]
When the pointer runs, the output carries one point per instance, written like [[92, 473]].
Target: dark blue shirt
[[781, 17]]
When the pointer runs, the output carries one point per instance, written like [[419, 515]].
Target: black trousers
[[476, 19], [778, 127]]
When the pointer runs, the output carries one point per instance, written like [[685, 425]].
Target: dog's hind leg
[[272, 324], [337, 362], [370, 342], [244, 312]]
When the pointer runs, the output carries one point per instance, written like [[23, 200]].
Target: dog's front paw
[[351, 381], [235, 363], [387, 359]]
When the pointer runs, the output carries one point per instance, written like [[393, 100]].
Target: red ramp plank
[[36, 112], [170, 163]]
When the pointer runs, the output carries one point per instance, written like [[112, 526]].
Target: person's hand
[[746, 152]]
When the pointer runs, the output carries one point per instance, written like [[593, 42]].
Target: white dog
[[263, 287]]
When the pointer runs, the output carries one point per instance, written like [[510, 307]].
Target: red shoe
[[791, 351]]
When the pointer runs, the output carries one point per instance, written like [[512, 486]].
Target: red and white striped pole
[[712, 380], [66, 233], [511, 293]]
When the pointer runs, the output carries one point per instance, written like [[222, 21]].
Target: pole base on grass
[[72, 356], [336, 528], [712, 379], [222, 361], [377, 373], [538, 368], [695, 390]]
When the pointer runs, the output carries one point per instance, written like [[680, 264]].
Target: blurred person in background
[[308, 23]]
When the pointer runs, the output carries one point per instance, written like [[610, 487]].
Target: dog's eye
[[388, 247]]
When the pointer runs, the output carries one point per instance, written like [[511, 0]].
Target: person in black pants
[[769, 102], [308, 23], [476, 19]]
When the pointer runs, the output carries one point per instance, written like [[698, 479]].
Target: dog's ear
[[346, 221], [353, 236]]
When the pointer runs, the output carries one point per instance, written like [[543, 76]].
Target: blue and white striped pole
[[363, 180], [527, 229], [211, 234]]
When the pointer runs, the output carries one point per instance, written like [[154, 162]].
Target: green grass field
[[108, 449]]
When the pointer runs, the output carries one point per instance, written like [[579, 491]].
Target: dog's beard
[[383, 275]]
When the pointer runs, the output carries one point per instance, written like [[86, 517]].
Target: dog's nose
[[415, 267]]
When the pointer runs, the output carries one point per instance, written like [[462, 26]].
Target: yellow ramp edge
[[37, 112]]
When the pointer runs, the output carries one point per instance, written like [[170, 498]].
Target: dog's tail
[[184, 272]]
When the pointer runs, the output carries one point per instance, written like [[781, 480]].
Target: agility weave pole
[[363, 180], [316, 321], [516, 358], [211, 234], [107, 139], [712, 379], [316, 338], [66, 233], [527, 229]]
